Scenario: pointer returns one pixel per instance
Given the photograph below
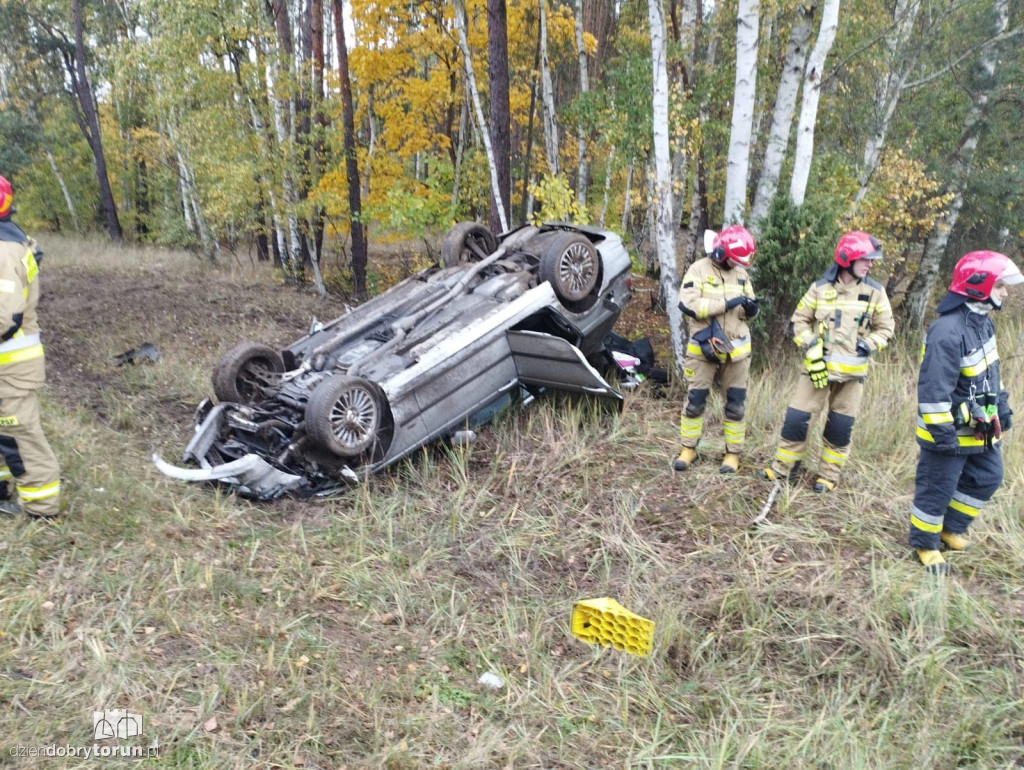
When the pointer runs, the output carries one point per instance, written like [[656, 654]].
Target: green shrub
[[794, 247]]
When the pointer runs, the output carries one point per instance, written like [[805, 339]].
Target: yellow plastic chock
[[606, 622]]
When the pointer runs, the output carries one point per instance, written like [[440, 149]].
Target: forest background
[[301, 131]]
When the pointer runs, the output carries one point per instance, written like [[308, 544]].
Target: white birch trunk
[[809, 105], [64, 189], [782, 116], [744, 93], [581, 135], [293, 255], [485, 134], [371, 146], [547, 95], [627, 199], [890, 90], [460, 148], [607, 186], [665, 241], [962, 163]]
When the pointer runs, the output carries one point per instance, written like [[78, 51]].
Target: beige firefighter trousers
[[843, 401], [700, 378], [27, 459]]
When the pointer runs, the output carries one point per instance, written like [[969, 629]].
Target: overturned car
[[498, 319]]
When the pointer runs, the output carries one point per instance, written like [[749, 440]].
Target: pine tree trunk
[[87, 103], [497, 73], [355, 206]]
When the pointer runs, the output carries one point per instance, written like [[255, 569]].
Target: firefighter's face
[[861, 267], [999, 292]]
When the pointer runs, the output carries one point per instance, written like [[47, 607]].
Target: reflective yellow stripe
[[786, 456], [38, 493], [834, 457], [937, 418], [734, 431], [5, 473], [31, 266], [956, 505], [924, 526], [691, 427], [841, 368], [924, 435], [25, 354], [740, 350]]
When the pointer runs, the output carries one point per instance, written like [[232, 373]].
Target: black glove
[[731, 303], [863, 349], [750, 307], [1005, 412]]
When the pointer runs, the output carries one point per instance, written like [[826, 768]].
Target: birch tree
[[582, 171], [664, 237], [782, 115], [960, 167], [744, 93], [901, 58], [547, 95], [467, 60], [809, 104]]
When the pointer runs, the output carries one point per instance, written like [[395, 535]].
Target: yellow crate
[[606, 622]]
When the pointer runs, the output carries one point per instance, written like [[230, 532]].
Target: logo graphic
[[115, 723]]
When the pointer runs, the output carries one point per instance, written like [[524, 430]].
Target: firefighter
[[961, 407], [29, 466], [717, 298], [842, 320]]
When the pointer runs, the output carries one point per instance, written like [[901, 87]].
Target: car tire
[[243, 371], [455, 249], [344, 415], [571, 264]]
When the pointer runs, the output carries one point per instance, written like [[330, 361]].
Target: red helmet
[[735, 244], [6, 197], [976, 274], [857, 245]]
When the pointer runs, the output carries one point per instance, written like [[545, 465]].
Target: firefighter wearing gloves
[[842, 320], [28, 465], [717, 299], [962, 409]]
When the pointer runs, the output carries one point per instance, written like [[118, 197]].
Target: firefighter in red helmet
[[28, 468], [842, 320], [717, 298], [962, 409]]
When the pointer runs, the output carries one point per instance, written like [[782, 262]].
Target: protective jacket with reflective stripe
[[841, 314], [705, 289], [959, 366], [22, 365]]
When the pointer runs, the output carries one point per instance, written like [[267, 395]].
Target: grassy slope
[[353, 632]]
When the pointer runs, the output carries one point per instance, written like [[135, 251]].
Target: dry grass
[[351, 633]]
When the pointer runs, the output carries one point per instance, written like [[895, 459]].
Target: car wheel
[[457, 246], [344, 414], [570, 263], [244, 371]]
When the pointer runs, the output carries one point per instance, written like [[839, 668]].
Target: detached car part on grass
[[498, 319]]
